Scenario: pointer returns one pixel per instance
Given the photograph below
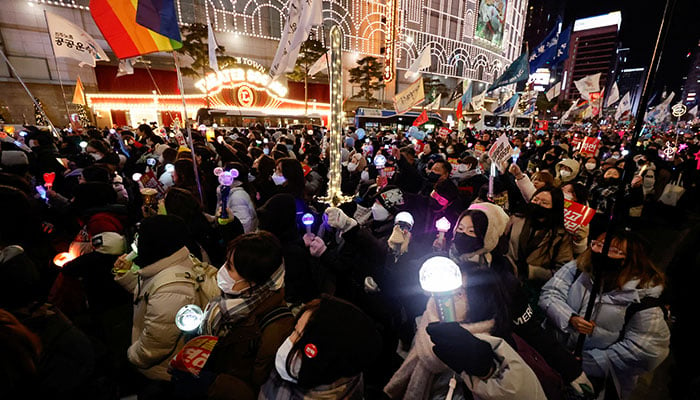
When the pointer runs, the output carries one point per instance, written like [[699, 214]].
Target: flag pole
[[617, 209], [31, 96], [58, 71], [148, 69], [187, 125]]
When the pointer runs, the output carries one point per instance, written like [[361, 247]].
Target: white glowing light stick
[[441, 277]]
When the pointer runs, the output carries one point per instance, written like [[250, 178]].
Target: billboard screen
[[491, 21]]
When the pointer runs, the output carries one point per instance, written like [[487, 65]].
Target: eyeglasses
[[597, 246]]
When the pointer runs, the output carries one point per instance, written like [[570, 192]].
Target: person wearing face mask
[[478, 244], [385, 207], [469, 177], [590, 172], [331, 345], [628, 335], [472, 354], [539, 244], [550, 159], [250, 318], [567, 171], [604, 195], [352, 173]]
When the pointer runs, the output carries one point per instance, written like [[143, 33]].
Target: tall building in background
[[541, 16], [592, 49], [691, 88]]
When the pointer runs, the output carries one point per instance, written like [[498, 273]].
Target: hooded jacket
[[643, 344], [154, 336], [567, 162]]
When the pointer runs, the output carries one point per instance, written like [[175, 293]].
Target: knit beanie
[[390, 197], [338, 341], [160, 236], [493, 228]]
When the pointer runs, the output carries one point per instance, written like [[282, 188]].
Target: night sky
[[641, 20]]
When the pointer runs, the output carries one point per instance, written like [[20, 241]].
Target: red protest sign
[[576, 215], [194, 355], [589, 146], [443, 132], [575, 142]]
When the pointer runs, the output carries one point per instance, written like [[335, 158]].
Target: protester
[[627, 335]]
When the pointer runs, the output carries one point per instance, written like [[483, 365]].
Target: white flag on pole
[[568, 112], [70, 41], [301, 16], [555, 91], [421, 62], [624, 106], [613, 96], [478, 101], [211, 43], [126, 67], [694, 111], [435, 104], [588, 84], [660, 112], [320, 65]]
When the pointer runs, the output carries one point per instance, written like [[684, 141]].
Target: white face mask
[[96, 156], [379, 213], [352, 167], [278, 179], [225, 281], [564, 174], [364, 176], [648, 181], [590, 166], [281, 362], [568, 196]]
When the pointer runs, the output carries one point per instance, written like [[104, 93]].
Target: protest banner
[[576, 216]]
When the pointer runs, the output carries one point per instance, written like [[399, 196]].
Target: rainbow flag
[[116, 19]]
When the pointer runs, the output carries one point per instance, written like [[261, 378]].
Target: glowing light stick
[[83, 145], [441, 277], [492, 176], [189, 317], [49, 177], [62, 259], [308, 220], [443, 225], [335, 195]]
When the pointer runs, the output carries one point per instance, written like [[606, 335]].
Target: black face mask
[[433, 177], [607, 265], [467, 244], [539, 215], [610, 181]]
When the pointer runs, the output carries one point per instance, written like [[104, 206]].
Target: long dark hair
[[294, 175], [487, 299]]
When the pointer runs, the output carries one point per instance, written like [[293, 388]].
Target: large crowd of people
[[109, 235]]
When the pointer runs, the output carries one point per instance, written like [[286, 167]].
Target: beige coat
[[154, 337], [545, 259]]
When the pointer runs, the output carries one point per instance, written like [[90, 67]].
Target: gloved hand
[[582, 385], [317, 247], [461, 350], [338, 220], [399, 240]]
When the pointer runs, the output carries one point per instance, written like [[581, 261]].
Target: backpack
[[201, 275]]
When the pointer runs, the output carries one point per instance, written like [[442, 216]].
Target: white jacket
[[241, 206], [154, 336]]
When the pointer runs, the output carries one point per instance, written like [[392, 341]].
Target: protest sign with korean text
[[576, 216], [589, 146], [501, 151]]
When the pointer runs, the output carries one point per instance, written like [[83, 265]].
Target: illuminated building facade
[[472, 39]]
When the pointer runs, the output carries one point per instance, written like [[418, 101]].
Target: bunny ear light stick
[[226, 179]]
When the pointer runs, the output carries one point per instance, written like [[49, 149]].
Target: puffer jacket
[[642, 346], [154, 336]]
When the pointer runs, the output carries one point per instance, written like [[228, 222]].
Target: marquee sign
[[215, 82]]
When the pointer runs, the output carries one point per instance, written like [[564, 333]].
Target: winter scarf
[[227, 310], [414, 378]]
